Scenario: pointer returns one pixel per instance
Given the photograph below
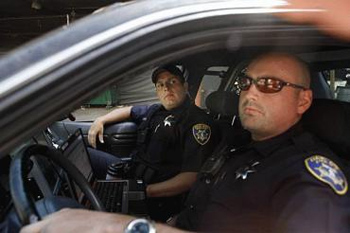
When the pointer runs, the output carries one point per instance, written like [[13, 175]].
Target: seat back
[[330, 121], [319, 86], [222, 103], [223, 106]]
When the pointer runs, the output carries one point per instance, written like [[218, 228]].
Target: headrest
[[224, 103], [319, 86], [330, 121]]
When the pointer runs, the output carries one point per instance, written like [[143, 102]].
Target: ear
[[186, 86], [305, 101]]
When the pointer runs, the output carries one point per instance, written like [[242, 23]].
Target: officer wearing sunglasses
[[282, 179], [265, 84]]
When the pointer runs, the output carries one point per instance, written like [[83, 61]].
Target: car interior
[[41, 174], [46, 177]]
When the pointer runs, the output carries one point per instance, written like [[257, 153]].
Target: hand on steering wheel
[[24, 205]]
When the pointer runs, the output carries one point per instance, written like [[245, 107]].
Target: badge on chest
[[243, 172], [169, 121], [201, 133]]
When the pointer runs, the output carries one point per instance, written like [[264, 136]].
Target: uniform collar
[[267, 147]]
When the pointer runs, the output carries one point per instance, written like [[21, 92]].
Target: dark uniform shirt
[[178, 140], [290, 183]]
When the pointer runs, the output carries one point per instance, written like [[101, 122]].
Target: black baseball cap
[[171, 68]]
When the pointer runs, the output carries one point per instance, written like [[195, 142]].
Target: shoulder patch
[[201, 133], [328, 172]]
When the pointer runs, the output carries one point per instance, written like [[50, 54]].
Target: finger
[[92, 139], [100, 136], [329, 16], [298, 11]]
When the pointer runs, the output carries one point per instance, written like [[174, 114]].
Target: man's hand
[[180, 183], [86, 221], [76, 220], [333, 16], [96, 130]]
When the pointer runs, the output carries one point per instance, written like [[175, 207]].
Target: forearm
[[330, 16], [97, 127], [77, 220], [119, 114], [174, 186]]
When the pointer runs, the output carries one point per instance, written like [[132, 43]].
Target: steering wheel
[[19, 169]]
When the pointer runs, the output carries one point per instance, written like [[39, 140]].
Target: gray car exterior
[[49, 77]]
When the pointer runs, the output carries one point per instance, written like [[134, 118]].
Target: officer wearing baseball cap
[[174, 139], [171, 68]]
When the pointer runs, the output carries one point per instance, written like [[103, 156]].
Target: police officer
[[282, 179], [174, 139]]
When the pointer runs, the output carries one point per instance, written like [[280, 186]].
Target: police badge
[[328, 172], [169, 120], [201, 133]]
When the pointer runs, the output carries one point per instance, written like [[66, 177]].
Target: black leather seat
[[223, 106], [319, 86], [222, 103], [330, 121]]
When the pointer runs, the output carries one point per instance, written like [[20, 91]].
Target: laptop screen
[[75, 150]]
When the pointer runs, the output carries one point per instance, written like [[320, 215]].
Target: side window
[[99, 105], [138, 90], [339, 82], [210, 82]]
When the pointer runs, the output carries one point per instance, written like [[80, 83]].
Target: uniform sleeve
[[200, 140], [309, 206], [138, 113]]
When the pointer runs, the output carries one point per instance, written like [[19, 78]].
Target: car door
[[119, 139]]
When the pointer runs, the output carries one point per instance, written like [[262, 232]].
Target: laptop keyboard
[[111, 195]]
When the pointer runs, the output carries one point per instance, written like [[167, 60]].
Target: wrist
[[100, 120], [140, 225], [149, 191]]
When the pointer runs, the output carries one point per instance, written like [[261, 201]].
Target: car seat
[[223, 106], [329, 120], [319, 86]]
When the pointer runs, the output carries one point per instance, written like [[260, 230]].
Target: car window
[[339, 82], [128, 91]]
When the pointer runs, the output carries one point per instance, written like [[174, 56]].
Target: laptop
[[122, 196]]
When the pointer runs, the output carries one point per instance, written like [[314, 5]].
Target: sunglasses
[[264, 84]]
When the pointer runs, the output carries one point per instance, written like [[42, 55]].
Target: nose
[[251, 93], [167, 85]]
